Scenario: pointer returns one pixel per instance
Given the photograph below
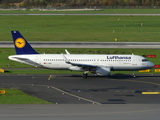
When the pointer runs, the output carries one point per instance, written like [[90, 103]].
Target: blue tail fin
[[21, 45]]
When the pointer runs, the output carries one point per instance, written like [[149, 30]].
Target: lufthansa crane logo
[[20, 43]]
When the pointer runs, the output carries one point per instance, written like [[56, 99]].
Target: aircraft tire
[[85, 75]]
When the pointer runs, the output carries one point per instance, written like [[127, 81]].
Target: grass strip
[[14, 96], [53, 72], [82, 28]]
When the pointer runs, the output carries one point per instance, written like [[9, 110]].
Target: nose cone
[[151, 65]]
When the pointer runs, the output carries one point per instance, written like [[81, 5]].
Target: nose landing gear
[[133, 73], [85, 75]]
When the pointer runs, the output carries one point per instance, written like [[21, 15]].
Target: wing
[[99, 70], [87, 67]]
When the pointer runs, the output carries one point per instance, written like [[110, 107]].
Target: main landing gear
[[85, 75]]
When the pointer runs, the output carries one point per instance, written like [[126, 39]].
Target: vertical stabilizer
[[21, 45]]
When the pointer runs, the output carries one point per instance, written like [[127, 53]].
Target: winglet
[[21, 45], [66, 60], [67, 52]]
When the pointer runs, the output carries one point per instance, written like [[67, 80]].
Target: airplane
[[98, 64]]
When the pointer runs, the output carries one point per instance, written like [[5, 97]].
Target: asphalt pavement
[[116, 97], [73, 89], [147, 45]]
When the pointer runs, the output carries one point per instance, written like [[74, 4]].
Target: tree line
[[81, 2]]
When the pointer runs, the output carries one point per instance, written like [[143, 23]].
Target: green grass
[[14, 96], [54, 72], [38, 71], [82, 28], [8, 64]]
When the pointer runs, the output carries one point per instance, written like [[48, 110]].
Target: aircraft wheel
[[85, 75], [134, 75]]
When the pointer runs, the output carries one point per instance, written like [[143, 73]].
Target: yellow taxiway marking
[[148, 93], [51, 76], [138, 81], [125, 91], [117, 91]]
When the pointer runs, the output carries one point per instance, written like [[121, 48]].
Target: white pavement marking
[[63, 92], [94, 102]]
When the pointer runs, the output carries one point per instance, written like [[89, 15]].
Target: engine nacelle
[[76, 68], [103, 71]]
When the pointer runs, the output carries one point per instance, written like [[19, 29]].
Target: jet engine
[[76, 68], [103, 71]]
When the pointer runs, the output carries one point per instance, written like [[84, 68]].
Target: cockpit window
[[144, 60]]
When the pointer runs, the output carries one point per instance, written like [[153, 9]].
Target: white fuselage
[[56, 61]]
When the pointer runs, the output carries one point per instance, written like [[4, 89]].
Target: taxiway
[[73, 89], [116, 97]]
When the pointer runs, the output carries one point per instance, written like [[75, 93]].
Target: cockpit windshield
[[144, 60]]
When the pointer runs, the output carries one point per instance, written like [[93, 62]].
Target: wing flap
[[87, 67]]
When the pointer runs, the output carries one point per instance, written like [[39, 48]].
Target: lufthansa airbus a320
[[97, 64]]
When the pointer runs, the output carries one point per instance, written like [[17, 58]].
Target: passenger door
[[134, 61]]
